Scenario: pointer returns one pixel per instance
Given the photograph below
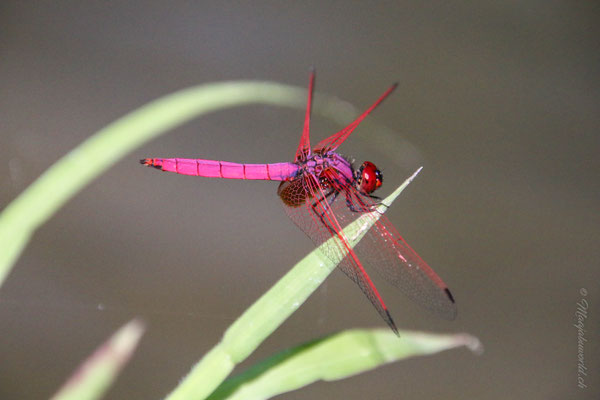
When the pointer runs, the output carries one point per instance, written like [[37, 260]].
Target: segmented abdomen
[[224, 169]]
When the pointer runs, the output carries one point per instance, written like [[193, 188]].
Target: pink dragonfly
[[322, 193]]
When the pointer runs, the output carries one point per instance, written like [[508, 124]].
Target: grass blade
[[33, 207], [70, 174], [335, 357], [96, 374]]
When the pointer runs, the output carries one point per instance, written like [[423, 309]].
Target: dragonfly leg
[[367, 208], [330, 198], [379, 202]]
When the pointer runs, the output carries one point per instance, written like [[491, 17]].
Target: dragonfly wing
[[303, 150], [333, 141], [309, 207], [384, 250]]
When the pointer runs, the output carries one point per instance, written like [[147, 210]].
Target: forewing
[[309, 207], [303, 150], [333, 141], [384, 250]]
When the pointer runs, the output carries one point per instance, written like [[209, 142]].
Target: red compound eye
[[369, 178]]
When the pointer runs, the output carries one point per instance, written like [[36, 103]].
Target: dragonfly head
[[368, 178]]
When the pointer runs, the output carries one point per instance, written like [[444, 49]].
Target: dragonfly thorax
[[327, 166], [333, 170]]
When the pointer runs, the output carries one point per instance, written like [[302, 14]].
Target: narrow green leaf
[[270, 311], [335, 357], [65, 178], [98, 153], [96, 374]]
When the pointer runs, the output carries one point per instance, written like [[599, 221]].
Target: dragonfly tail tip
[[150, 163]]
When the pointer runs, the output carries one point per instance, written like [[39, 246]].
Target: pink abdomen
[[224, 169]]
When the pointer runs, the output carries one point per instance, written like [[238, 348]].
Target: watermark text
[[581, 314]]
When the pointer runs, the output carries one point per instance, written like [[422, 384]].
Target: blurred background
[[499, 101]]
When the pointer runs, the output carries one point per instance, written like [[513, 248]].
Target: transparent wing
[[384, 250], [309, 206], [303, 150], [333, 141]]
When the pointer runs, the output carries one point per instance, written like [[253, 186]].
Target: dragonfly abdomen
[[223, 169]]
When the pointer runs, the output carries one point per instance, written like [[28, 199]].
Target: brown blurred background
[[498, 100]]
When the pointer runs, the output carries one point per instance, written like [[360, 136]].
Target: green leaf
[[335, 357], [97, 373], [98, 153], [270, 311], [65, 178]]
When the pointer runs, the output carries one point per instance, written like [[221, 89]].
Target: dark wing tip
[[449, 295], [145, 161], [450, 312], [391, 323]]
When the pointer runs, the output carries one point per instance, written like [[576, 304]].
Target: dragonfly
[[322, 192]]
